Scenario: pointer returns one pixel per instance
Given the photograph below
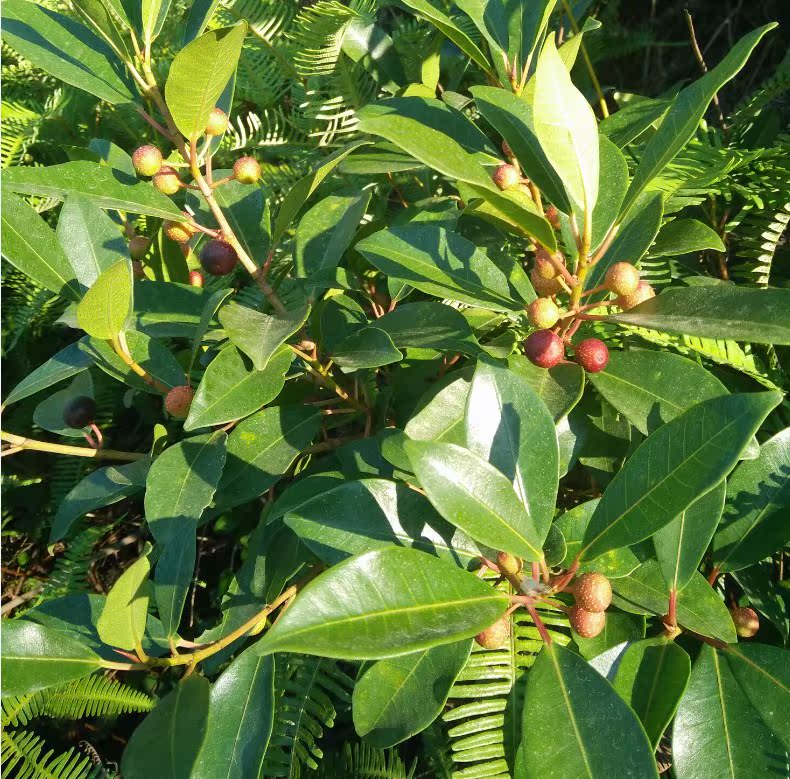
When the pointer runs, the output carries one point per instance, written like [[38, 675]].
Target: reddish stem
[[672, 613], [539, 624], [535, 572], [714, 574]]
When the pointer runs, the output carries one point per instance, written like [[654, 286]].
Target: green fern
[[744, 116], [362, 761], [23, 759], [70, 574]]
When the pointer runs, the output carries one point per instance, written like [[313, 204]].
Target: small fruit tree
[[501, 474]]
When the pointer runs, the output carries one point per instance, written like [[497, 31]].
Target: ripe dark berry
[[747, 623], [593, 592], [544, 348], [544, 287], [592, 355], [147, 160], [553, 215], [247, 170], [180, 232], [643, 292], [79, 412], [622, 279], [495, 636], [218, 257], [506, 177], [178, 401], [138, 247], [587, 624], [543, 313], [195, 278], [508, 563], [217, 122], [167, 181]]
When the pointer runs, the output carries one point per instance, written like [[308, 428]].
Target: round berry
[[544, 267], [79, 412], [593, 592], [587, 624], [544, 287], [508, 563], [496, 635], [247, 170], [195, 278], [138, 271], [167, 181], [592, 355], [138, 247], [622, 278], [747, 623], [506, 177], [178, 401], [642, 293], [180, 232], [147, 160], [553, 215], [543, 313], [544, 348], [218, 257], [217, 122]]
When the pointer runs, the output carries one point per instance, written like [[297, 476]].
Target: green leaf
[[699, 607], [429, 325], [612, 186], [49, 413], [198, 75], [439, 263], [167, 310], [757, 582], [123, 618], [66, 363], [103, 487], [618, 628], [683, 236], [356, 516], [181, 484], [103, 185], [35, 657], [231, 389], [663, 477], [476, 497], [105, 310], [651, 678], [687, 110], [260, 450], [167, 743], [259, 335], [240, 719], [754, 524], [509, 426], [370, 347], [398, 697], [717, 733], [91, 241], [373, 606], [630, 121], [576, 740], [210, 309], [561, 387], [441, 418], [567, 129], [721, 311], [30, 245], [173, 576], [66, 49]]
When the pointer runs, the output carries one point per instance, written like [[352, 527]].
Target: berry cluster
[[593, 594]]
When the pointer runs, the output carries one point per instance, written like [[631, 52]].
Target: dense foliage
[[439, 391]]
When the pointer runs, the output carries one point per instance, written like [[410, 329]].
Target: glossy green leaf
[[754, 524], [356, 516], [681, 544], [579, 713], [30, 245], [631, 120], [66, 49], [429, 325], [210, 309], [441, 418], [181, 483], [167, 310], [475, 497], [240, 719], [200, 12], [398, 697], [663, 477], [68, 362], [49, 412], [509, 426], [35, 657], [717, 733], [373, 606], [105, 310], [167, 743], [123, 618], [198, 75], [699, 607], [682, 236], [231, 388], [366, 348], [261, 448], [759, 587], [560, 387], [651, 678], [98, 15], [618, 629], [612, 186], [173, 577]]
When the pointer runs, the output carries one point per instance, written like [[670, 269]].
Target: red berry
[[587, 624], [195, 278], [138, 247], [217, 122], [79, 412], [495, 636], [508, 563], [747, 623], [592, 355], [544, 348], [553, 215], [506, 177], [622, 279], [593, 592], [147, 160], [643, 292], [167, 181], [178, 401], [543, 313], [180, 232], [247, 170], [218, 257]]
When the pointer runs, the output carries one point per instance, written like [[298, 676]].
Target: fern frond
[[744, 116], [362, 761], [22, 759], [21, 709], [760, 234], [70, 574], [94, 696], [267, 129], [20, 124], [267, 19]]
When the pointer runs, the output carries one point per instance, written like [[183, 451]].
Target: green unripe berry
[[543, 313], [587, 624], [147, 160], [178, 401], [622, 279], [593, 592], [217, 122], [509, 564], [642, 293], [180, 232], [247, 170], [495, 636], [506, 177], [544, 267], [138, 247], [167, 181], [747, 623]]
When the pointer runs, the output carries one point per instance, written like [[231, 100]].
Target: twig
[[20, 599], [703, 67], [76, 451]]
